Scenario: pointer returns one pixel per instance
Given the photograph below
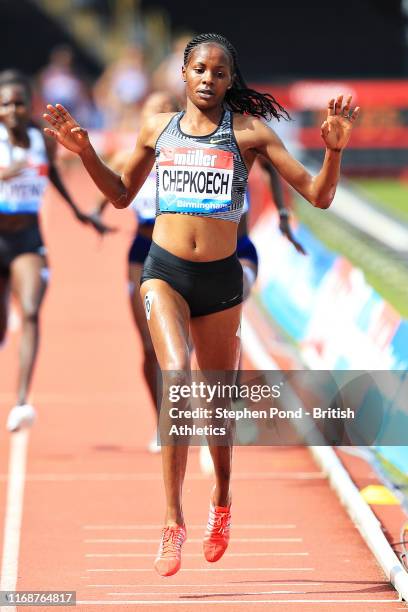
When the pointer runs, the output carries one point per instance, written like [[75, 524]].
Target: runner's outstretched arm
[[58, 183], [336, 130], [119, 189]]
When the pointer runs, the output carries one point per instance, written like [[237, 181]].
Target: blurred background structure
[[298, 52]]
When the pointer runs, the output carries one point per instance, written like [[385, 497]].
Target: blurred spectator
[[167, 76], [122, 88], [59, 83], [104, 9]]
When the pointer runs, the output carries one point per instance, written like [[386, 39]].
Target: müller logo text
[[196, 157]]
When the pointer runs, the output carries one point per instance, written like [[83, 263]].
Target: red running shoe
[[168, 560], [217, 534]]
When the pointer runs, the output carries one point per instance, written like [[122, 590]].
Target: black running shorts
[[207, 287], [13, 244]]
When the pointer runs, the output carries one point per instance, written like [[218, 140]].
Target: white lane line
[[232, 585], [357, 210], [208, 569], [82, 399], [163, 602], [213, 594], [119, 477], [189, 540], [190, 527], [14, 512], [153, 556]]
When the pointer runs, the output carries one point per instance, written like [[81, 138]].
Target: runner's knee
[[175, 375], [177, 371], [30, 312]]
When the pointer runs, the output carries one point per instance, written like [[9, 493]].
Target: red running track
[[93, 498]]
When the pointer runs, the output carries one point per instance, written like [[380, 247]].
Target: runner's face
[[208, 76], [14, 106]]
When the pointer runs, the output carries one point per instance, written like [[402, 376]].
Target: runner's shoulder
[[250, 122], [154, 125], [250, 129]]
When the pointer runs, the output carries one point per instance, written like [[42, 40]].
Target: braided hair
[[15, 77], [239, 97]]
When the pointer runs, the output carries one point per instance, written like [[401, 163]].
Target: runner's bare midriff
[[195, 238], [15, 223]]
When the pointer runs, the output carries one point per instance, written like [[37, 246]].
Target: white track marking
[[210, 569], [232, 585], [152, 556], [189, 540], [73, 398], [214, 594], [190, 527], [14, 512], [130, 477], [141, 602]]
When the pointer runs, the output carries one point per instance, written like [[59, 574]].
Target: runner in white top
[[26, 168]]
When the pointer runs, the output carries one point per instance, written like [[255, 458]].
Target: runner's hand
[[65, 129], [96, 221], [336, 129], [286, 230], [82, 217]]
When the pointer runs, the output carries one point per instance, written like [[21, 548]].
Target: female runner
[[26, 167], [192, 277]]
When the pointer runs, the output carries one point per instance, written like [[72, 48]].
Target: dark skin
[[135, 269], [25, 279], [208, 75]]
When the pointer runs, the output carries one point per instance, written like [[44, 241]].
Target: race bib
[[24, 192], [195, 180]]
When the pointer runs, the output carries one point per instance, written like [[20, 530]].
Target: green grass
[[390, 194], [399, 478], [388, 276]]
